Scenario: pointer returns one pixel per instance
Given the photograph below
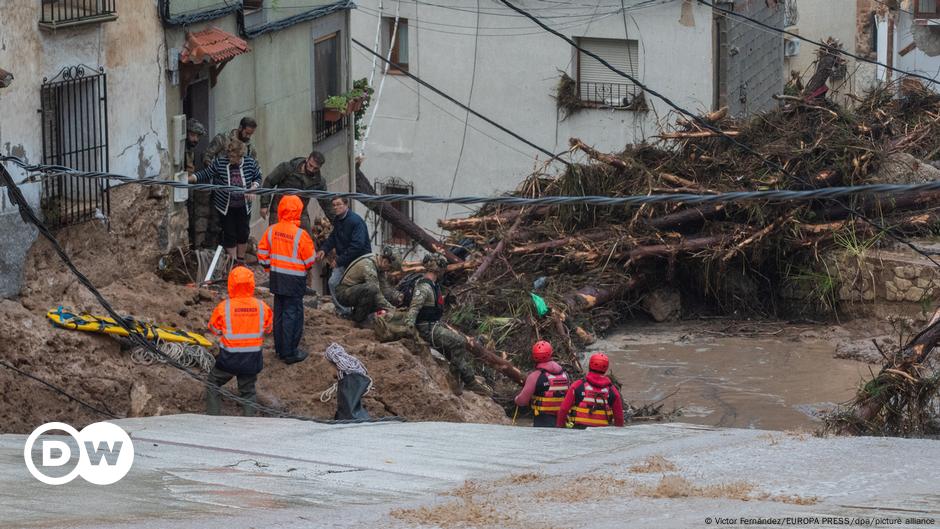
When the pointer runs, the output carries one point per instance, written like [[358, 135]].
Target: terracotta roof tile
[[212, 45]]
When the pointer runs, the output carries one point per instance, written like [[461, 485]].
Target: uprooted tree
[[594, 264]]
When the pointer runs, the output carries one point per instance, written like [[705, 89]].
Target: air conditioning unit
[[791, 47]]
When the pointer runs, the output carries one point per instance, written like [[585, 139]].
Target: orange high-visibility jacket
[[242, 320], [286, 248]]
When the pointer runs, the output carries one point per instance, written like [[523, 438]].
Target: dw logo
[[105, 453]]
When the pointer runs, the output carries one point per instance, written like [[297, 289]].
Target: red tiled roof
[[212, 45]]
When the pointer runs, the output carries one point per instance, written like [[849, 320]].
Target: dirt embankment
[[408, 381]]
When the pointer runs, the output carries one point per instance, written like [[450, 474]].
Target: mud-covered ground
[[408, 380]]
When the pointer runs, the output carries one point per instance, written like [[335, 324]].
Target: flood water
[[773, 384]]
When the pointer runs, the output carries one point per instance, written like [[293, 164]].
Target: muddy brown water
[[773, 384]]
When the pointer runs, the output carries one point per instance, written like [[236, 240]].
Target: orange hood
[[241, 283], [289, 209]]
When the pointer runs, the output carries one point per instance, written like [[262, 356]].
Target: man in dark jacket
[[350, 240], [298, 173]]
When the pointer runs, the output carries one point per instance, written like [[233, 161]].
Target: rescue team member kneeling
[[363, 286], [545, 387], [286, 251], [593, 400], [241, 323]]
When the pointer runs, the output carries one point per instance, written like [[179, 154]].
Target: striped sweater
[[217, 173]]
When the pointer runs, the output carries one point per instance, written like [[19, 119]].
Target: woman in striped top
[[234, 168]]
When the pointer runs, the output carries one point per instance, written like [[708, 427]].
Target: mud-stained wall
[[131, 51]]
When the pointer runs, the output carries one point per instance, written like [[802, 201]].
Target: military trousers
[[452, 344], [360, 298]]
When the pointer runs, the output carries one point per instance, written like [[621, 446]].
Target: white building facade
[[507, 68]]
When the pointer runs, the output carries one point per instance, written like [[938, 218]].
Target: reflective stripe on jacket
[[282, 251], [244, 330], [549, 392], [592, 406]]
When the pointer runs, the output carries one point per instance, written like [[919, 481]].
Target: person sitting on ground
[[287, 252], [244, 132], [350, 240], [545, 387], [424, 315], [593, 400], [364, 287], [238, 169], [241, 323], [298, 173]]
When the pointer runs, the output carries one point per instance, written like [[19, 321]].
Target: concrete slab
[[227, 472]]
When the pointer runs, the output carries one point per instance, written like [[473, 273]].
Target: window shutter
[[621, 54]]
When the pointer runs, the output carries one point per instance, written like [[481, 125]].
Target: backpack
[[407, 287]]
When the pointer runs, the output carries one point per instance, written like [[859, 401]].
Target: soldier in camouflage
[[424, 315], [298, 173], [246, 128], [364, 287], [194, 132]]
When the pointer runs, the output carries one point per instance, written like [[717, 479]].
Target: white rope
[[378, 94], [344, 362], [345, 365]]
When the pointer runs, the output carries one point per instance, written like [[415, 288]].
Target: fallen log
[[682, 135], [685, 216], [565, 241], [400, 220], [490, 357], [597, 155], [478, 222], [692, 244], [488, 260]]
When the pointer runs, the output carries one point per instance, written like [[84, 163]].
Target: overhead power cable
[[437, 91], [26, 211], [773, 195], [704, 124], [59, 390]]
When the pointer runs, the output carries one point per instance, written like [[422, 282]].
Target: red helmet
[[599, 363], [541, 352]]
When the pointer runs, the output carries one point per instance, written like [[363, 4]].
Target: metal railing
[[608, 94], [64, 12], [323, 129], [74, 115]]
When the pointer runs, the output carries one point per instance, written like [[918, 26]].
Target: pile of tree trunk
[[594, 264]]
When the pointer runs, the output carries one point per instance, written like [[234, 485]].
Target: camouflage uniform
[[220, 142], [365, 289], [291, 175], [441, 337]]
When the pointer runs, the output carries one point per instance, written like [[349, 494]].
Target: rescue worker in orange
[[241, 323], [545, 387], [593, 400], [287, 252]]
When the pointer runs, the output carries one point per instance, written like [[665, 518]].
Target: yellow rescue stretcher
[[86, 322]]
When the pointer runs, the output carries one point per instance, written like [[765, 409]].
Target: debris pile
[[594, 265], [903, 399]]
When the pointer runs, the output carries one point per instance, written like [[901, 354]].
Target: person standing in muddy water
[[545, 387], [592, 401]]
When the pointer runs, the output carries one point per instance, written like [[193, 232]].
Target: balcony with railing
[[57, 14], [613, 95], [323, 129], [926, 12]]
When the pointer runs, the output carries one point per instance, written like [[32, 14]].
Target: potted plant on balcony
[[335, 107], [355, 98]]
